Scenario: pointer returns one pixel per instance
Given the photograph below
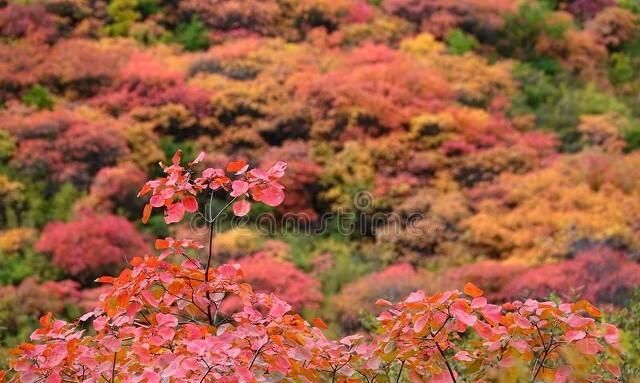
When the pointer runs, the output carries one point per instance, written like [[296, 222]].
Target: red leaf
[[174, 213], [236, 166], [190, 204], [157, 201], [238, 188], [241, 208], [270, 195]]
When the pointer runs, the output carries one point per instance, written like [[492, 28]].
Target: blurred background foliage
[[510, 128]]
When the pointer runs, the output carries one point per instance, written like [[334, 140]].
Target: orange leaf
[[177, 157], [45, 320], [146, 213], [161, 244], [319, 323], [588, 307], [145, 189], [472, 290], [105, 279], [235, 166]]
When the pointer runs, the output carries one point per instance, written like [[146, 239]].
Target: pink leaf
[[589, 346], [167, 193], [463, 356], [241, 208], [190, 204], [238, 188], [157, 200], [576, 321], [611, 334], [464, 317], [166, 320], [277, 170], [174, 213], [110, 343], [279, 308], [573, 335], [562, 374], [421, 323], [271, 195]]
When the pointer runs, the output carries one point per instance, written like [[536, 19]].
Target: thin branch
[[400, 372], [206, 272], [453, 377], [113, 368]]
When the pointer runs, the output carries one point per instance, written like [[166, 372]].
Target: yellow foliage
[[13, 240], [474, 78], [544, 213], [421, 45], [236, 243]]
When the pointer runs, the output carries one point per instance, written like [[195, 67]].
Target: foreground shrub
[[162, 321]]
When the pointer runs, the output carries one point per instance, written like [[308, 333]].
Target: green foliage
[[621, 68], [148, 7], [169, 146], [123, 13], [192, 35], [62, 202], [42, 205], [558, 103], [38, 97], [632, 137], [7, 146], [337, 261], [15, 267], [628, 320], [460, 43], [156, 227], [521, 30], [632, 5]]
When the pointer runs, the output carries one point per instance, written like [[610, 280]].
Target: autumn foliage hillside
[[429, 143]]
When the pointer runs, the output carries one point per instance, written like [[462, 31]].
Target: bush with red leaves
[[91, 245], [391, 283], [271, 275], [115, 188], [599, 274], [145, 81], [64, 146], [587, 9], [30, 21]]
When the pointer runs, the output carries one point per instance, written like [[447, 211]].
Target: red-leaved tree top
[[161, 321]]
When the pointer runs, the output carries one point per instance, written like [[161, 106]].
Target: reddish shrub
[[491, 276], [91, 245], [302, 180], [270, 275], [116, 187], [65, 146], [587, 9], [144, 81], [377, 88], [392, 283], [32, 299], [599, 274], [30, 21]]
